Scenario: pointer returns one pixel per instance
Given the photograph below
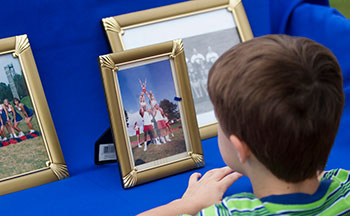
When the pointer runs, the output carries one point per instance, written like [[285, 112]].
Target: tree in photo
[[5, 92], [126, 118], [20, 85], [170, 108]]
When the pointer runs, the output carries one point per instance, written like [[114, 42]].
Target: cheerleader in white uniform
[[158, 116], [148, 127], [137, 129], [167, 124], [152, 99], [211, 56], [142, 101], [143, 85]]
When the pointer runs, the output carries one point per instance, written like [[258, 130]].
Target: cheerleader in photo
[[147, 117], [142, 100], [3, 117], [137, 129], [159, 117], [143, 85], [197, 58], [195, 81], [211, 56], [6, 121], [152, 99], [2, 130], [26, 112], [16, 118], [167, 124]]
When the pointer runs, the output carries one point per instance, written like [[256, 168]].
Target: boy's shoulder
[[334, 191], [241, 203], [338, 175]]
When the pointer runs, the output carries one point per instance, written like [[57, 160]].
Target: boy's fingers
[[222, 172], [194, 178], [228, 180]]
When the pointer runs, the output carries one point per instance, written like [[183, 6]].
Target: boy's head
[[283, 97]]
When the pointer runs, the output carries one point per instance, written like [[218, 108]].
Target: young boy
[[278, 100]]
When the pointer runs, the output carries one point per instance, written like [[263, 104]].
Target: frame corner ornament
[[178, 47], [22, 43], [110, 24], [130, 179], [197, 158], [60, 170], [107, 62], [232, 4]]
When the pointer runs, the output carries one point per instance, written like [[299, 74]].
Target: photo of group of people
[[10, 119], [152, 115], [201, 53], [21, 145]]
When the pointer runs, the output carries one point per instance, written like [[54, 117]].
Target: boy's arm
[[201, 193]]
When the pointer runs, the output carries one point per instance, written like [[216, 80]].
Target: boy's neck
[[265, 184]]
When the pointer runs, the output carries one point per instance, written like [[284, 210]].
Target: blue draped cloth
[[67, 37]]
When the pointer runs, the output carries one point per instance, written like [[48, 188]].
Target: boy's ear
[[241, 147]]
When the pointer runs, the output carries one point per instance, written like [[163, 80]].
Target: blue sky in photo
[[159, 81], [4, 61]]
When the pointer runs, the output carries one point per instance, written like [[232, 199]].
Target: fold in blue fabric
[[326, 26]]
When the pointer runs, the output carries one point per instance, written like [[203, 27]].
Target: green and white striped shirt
[[331, 198]]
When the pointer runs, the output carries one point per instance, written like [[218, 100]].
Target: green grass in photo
[[22, 157], [156, 152], [25, 156]]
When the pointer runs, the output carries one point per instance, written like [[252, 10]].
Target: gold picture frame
[[55, 167], [112, 71], [117, 28]]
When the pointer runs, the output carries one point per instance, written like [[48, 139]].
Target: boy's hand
[[209, 189], [200, 193]]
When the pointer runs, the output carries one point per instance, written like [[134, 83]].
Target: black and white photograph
[[201, 53]]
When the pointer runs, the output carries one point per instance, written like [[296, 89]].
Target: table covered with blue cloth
[[67, 37]]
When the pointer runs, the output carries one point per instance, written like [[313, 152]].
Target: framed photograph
[[30, 154], [151, 112], [208, 28]]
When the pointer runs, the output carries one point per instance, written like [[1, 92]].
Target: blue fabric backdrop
[[66, 38]]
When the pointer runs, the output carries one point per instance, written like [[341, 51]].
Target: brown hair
[[282, 96]]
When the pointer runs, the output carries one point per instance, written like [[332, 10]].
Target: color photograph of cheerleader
[[21, 144], [153, 119]]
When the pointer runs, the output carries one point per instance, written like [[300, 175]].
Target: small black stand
[[105, 149]]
